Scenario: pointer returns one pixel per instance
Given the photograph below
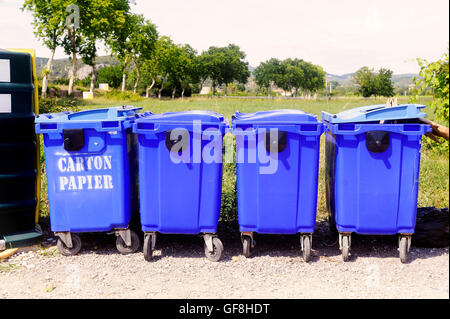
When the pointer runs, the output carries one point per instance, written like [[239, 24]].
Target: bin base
[[21, 239]]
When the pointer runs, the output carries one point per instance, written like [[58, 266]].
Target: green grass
[[434, 173], [7, 267]]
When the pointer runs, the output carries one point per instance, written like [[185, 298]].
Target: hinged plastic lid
[[117, 113], [275, 117], [377, 112], [184, 118]]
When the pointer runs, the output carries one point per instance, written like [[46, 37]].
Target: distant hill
[[400, 80], [61, 67]]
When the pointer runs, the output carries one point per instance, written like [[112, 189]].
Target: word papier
[[84, 173]]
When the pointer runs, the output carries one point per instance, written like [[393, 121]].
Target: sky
[[341, 36]]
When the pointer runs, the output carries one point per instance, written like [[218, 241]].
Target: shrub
[[111, 75], [55, 105]]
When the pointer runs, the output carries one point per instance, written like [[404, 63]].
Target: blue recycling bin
[[91, 164], [277, 155], [180, 176], [372, 171]]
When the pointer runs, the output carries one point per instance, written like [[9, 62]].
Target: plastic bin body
[[373, 189], [19, 171], [93, 188], [184, 197], [284, 202]]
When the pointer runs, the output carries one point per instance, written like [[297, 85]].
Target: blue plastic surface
[[91, 189], [375, 113], [369, 190], [184, 197], [284, 202]]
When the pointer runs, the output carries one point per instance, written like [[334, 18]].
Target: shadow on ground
[[324, 244]]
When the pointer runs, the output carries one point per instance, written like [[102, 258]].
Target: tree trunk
[[73, 74], [138, 76], [201, 86], [93, 79], [147, 92], [173, 92], [226, 89], [162, 86], [214, 88], [182, 93], [48, 67], [124, 74]]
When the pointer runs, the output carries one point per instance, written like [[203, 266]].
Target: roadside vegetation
[[149, 70]]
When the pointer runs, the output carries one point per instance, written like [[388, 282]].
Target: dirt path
[[180, 270]]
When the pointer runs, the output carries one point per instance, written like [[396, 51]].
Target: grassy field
[[434, 173]]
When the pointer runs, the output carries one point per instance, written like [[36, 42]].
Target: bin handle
[[303, 129], [150, 128], [353, 129]]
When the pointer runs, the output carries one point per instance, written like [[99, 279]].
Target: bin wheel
[[247, 246], [345, 248], [66, 251], [123, 248], [403, 249], [306, 248], [218, 250], [148, 249]]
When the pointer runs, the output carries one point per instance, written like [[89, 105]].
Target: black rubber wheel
[[148, 251], [246, 246], [345, 248], [403, 249], [218, 250], [123, 248], [66, 251], [306, 248]]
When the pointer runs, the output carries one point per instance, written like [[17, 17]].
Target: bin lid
[[116, 113], [287, 116], [184, 118], [377, 112]]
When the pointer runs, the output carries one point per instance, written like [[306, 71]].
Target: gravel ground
[[275, 270]]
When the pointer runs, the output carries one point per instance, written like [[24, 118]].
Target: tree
[[200, 70], [98, 20], [225, 65], [234, 68], [436, 75], [149, 75], [384, 85], [48, 23], [364, 78], [165, 63], [186, 71], [134, 42], [111, 74], [266, 74], [370, 83], [314, 77]]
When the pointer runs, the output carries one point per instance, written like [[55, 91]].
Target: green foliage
[[119, 96], [290, 74], [48, 20], [266, 73], [383, 84], [229, 196], [371, 83], [435, 75], [111, 75], [224, 65], [56, 105]]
